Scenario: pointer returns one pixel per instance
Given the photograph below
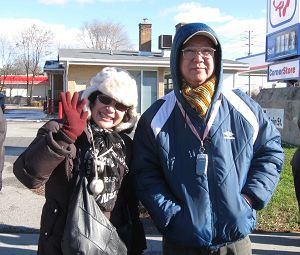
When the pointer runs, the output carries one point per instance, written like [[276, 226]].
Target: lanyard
[[208, 126]]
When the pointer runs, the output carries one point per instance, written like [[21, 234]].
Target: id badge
[[201, 164]]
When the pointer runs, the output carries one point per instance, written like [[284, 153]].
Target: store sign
[[282, 14], [275, 115], [284, 71], [282, 44]]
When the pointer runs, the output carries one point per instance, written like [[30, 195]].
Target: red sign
[[281, 7]]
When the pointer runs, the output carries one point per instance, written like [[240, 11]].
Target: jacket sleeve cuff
[[61, 135]]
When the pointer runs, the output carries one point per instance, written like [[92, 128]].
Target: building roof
[[22, 79], [123, 58], [105, 57], [257, 64]]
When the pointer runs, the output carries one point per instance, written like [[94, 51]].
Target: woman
[[84, 141]]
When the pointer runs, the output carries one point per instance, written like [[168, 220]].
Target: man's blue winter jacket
[[244, 157]]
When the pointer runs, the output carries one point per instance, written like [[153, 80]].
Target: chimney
[[145, 34]]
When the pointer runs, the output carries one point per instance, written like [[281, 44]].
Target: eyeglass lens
[[205, 52]]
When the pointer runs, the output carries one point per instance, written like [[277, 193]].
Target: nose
[[111, 107], [198, 57]]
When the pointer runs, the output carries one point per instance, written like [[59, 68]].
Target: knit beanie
[[118, 84]]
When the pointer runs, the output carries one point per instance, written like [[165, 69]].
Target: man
[[204, 160]]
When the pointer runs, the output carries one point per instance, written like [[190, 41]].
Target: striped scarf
[[200, 97]]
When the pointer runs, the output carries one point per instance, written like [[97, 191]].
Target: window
[[147, 88], [168, 83]]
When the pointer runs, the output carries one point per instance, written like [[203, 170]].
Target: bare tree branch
[[105, 36], [33, 44], [6, 60]]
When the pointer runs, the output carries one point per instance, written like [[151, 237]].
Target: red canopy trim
[[22, 79]]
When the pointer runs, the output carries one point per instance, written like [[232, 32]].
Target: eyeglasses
[[103, 99], [191, 52]]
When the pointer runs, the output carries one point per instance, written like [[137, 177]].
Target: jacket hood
[[182, 35]]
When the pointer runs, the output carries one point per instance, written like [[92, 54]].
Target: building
[[256, 78], [15, 88], [74, 68]]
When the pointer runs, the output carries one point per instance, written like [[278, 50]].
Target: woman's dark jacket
[[49, 160]]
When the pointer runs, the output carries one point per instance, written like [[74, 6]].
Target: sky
[[233, 21]]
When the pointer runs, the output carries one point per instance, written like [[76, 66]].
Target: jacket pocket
[[49, 217], [244, 219]]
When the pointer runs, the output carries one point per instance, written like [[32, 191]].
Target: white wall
[[16, 91], [20, 90]]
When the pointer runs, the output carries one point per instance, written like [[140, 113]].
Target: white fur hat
[[118, 84]]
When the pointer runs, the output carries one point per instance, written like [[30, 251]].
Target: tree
[[6, 60], [33, 45], [105, 36]]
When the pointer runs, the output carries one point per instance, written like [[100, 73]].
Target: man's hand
[[75, 117]]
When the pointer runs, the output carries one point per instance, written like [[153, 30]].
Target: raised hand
[[75, 117]]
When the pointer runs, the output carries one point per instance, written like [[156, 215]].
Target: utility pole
[[249, 53]]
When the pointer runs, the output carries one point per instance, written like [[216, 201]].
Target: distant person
[[3, 127], [2, 102], [205, 159], [45, 104], [85, 139], [295, 162]]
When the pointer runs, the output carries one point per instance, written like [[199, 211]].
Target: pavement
[[20, 208], [262, 244]]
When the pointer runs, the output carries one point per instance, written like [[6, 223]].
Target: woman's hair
[[92, 98]]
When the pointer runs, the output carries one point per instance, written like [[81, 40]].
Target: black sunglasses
[[103, 99]]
